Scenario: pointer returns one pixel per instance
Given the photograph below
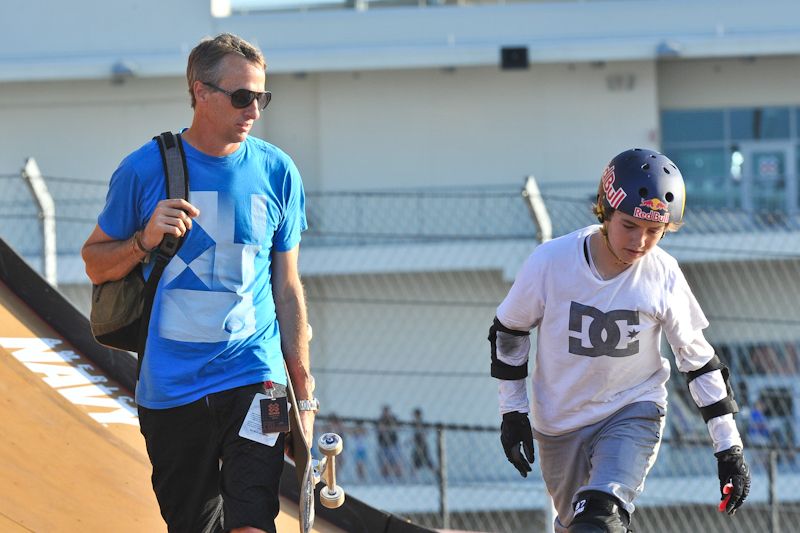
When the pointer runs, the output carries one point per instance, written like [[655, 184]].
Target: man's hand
[[515, 431], [307, 421], [109, 259], [173, 217], [288, 446], [734, 478]]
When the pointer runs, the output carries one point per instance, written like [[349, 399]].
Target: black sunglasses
[[242, 98]]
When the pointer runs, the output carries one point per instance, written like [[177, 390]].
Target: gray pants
[[612, 456]]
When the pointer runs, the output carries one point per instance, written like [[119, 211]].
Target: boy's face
[[632, 238]]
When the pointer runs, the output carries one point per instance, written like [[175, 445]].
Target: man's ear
[[200, 90]]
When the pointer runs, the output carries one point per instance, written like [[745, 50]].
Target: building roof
[[86, 39]]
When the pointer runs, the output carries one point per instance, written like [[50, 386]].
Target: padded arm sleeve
[[510, 348], [724, 433], [513, 396], [709, 385]]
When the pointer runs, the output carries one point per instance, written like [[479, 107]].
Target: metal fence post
[[538, 210], [444, 507], [773, 493], [47, 213]]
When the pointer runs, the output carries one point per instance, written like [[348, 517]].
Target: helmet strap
[[604, 231]]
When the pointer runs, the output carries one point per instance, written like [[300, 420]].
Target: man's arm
[[290, 308], [109, 259]]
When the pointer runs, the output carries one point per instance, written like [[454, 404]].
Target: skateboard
[[309, 470]]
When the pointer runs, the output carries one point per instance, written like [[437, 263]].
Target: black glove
[[516, 430], [733, 469]]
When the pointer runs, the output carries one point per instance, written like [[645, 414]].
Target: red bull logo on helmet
[[655, 204], [651, 215], [613, 196]]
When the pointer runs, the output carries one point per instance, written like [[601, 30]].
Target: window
[[723, 155], [766, 123], [705, 172], [686, 126]]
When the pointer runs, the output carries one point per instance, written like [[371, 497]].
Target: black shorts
[[195, 492]]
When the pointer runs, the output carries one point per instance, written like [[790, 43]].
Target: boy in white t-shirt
[[601, 298]]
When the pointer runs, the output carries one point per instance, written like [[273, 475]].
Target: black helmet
[[643, 184]]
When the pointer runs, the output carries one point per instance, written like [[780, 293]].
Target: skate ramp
[[61, 469], [71, 455]]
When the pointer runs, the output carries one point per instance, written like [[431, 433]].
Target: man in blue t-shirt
[[230, 305]]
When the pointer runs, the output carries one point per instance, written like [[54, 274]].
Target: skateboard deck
[[302, 461], [309, 470]]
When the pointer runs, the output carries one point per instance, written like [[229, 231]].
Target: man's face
[[233, 124], [632, 238]]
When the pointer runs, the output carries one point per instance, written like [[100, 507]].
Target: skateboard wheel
[[330, 444], [331, 498], [309, 331]]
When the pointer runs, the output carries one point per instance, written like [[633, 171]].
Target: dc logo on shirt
[[580, 507], [604, 333]]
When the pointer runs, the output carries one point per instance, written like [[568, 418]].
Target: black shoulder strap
[[176, 179]]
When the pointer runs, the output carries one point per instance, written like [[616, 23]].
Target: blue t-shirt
[[213, 326]]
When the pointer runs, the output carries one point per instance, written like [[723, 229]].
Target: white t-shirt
[[598, 343]]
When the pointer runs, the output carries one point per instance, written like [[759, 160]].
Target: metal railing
[[449, 476]]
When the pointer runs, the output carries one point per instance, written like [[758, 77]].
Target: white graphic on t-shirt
[[604, 333], [225, 310]]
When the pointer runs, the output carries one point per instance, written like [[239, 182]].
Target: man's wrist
[[308, 405], [138, 237], [136, 248]]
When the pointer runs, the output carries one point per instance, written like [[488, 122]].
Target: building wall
[[463, 126], [356, 130], [83, 129], [729, 82], [400, 128]]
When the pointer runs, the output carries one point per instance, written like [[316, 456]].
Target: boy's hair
[[205, 61], [608, 211]]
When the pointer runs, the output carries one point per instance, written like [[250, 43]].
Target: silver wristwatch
[[308, 405]]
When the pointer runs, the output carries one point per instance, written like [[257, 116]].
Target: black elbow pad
[[501, 370], [726, 405]]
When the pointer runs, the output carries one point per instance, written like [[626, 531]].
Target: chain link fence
[[402, 287], [78, 202]]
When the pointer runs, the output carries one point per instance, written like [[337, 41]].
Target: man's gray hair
[[205, 61]]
